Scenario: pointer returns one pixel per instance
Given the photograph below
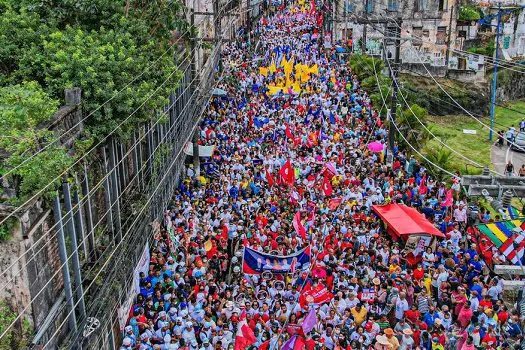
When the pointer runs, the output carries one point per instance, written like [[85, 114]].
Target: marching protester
[[275, 244]]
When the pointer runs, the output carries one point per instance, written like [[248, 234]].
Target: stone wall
[[30, 259], [511, 85]]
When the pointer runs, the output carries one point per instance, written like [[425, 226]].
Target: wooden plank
[[509, 270]]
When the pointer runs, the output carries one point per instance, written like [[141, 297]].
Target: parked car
[[519, 142]]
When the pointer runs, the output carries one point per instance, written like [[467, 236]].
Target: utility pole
[[195, 84], [394, 74], [449, 36], [217, 18], [495, 75], [363, 39], [488, 21]]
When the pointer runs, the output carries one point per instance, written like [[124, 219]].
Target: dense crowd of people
[[196, 295]]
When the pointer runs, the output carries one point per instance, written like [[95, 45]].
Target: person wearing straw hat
[[391, 338], [407, 340], [382, 343]]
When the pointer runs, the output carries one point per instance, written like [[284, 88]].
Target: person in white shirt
[[401, 306]]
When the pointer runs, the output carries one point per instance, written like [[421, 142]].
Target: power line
[[401, 134], [100, 106], [128, 232], [106, 176], [429, 131], [436, 82]]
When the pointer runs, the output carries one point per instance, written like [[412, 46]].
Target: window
[[369, 4], [441, 35], [392, 5], [420, 5], [349, 6], [417, 33], [462, 34], [441, 5]]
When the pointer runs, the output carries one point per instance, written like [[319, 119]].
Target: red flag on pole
[[316, 295], [327, 187], [334, 203], [298, 225], [269, 178], [423, 189], [448, 200], [244, 336], [287, 173], [288, 133]]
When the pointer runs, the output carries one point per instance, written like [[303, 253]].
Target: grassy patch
[[449, 129], [476, 147]]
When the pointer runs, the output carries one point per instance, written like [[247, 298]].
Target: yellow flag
[[283, 62], [314, 69], [272, 69], [263, 71]]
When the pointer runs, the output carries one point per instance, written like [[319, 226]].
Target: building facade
[[428, 27]]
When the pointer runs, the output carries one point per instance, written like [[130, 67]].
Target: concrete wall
[[421, 22], [30, 258]]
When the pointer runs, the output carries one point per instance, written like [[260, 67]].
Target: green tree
[[441, 157], [24, 107], [363, 66], [411, 128]]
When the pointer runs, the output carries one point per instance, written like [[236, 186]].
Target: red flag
[[269, 178], [261, 221], [423, 189], [327, 187], [312, 7], [224, 232], [265, 345], [334, 203], [287, 173], [288, 132], [317, 295], [448, 200], [298, 225], [244, 336]]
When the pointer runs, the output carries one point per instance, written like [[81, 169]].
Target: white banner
[[142, 266]]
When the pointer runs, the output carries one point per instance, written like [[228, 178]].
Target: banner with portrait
[[255, 262]]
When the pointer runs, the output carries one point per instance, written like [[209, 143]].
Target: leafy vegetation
[[16, 338], [486, 49], [469, 12], [100, 46]]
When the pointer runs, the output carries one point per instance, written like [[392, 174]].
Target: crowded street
[[280, 240]]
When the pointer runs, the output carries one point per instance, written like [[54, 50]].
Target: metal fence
[[103, 217]]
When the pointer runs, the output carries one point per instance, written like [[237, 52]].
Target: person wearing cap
[[188, 334], [126, 344], [145, 343], [206, 344], [128, 330], [407, 340], [392, 339]]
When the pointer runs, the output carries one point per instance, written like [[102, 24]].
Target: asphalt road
[[501, 155]]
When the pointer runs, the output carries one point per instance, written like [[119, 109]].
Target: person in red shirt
[[490, 338], [486, 302], [413, 314], [503, 315], [419, 272]]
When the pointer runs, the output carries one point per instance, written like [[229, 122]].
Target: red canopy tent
[[403, 221]]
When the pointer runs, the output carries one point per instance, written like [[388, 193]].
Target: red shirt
[[419, 273], [412, 315]]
